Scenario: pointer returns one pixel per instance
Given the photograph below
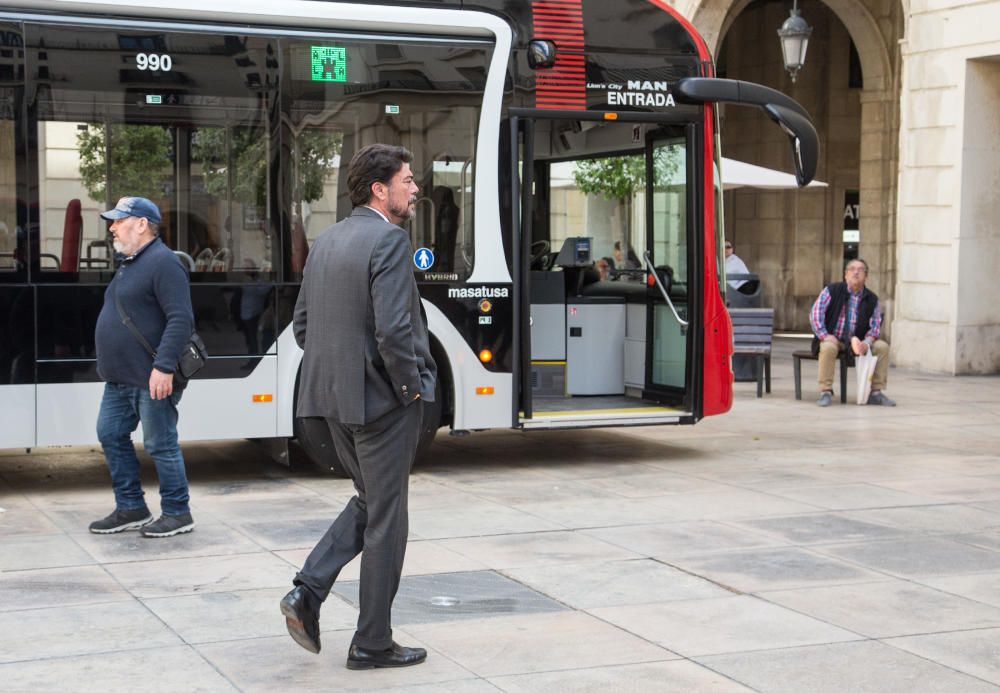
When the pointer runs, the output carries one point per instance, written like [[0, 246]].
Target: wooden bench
[[845, 362], [753, 329]]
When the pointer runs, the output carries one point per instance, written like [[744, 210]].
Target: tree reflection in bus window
[[316, 169], [605, 198], [115, 161], [12, 234], [228, 201], [194, 140], [670, 241]]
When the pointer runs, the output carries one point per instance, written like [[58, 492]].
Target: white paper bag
[[865, 367]]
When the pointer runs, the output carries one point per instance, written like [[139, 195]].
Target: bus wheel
[[431, 422], [314, 440]]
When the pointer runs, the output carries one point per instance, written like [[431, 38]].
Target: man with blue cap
[[150, 290]]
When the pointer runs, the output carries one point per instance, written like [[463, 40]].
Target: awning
[[735, 174], [738, 174]]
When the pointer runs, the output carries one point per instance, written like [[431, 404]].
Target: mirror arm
[[697, 90]]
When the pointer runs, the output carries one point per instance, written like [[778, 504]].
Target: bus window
[[603, 198], [669, 249], [13, 213], [419, 95], [670, 192], [450, 198], [720, 219], [173, 117]]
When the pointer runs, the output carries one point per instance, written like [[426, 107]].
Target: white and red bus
[[566, 242]]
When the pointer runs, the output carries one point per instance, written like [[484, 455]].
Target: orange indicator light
[[264, 397], [484, 390], [611, 116], [485, 355]]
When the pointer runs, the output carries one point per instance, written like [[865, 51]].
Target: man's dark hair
[[376, 163]]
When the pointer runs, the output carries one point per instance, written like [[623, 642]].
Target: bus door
[[595, 348], [667, 259]]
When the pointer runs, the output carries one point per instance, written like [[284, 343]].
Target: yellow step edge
[[595, 412]]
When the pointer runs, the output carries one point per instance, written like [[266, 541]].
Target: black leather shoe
[[302, 618], [395, 656]]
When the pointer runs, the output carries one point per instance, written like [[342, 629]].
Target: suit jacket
[[359, 321]]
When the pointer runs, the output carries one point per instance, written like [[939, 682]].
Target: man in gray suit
[[366, 370]]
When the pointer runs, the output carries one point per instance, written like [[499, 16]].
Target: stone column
[[947, 313]]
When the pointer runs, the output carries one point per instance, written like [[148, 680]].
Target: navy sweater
[[153, 289]]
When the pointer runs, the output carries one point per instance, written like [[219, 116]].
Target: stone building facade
[[904, 95]]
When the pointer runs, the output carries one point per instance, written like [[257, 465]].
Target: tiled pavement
[[778, 548]]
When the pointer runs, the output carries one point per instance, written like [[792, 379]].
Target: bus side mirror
[[783, 110], [803, 139]]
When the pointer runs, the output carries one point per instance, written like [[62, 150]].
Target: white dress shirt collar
[[378, 212]]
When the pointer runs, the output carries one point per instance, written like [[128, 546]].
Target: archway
[[794, 239]]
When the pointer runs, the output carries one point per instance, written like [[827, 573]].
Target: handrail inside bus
[[461, 207], [666, 296]]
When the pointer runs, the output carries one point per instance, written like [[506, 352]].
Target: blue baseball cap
[[134, 207]]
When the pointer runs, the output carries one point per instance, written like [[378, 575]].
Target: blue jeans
[[122, 408]]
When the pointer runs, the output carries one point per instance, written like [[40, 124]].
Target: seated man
[[735, 265], [848, 313]]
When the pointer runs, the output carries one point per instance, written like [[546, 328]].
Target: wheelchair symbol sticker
[[423, 258]]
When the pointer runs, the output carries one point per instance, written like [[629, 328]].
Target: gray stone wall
[[793, 239]]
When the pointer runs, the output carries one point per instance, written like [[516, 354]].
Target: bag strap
[[127, 321]]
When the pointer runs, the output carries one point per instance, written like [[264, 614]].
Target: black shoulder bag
[[191, 360]]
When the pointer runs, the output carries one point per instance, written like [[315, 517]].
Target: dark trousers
[[378, 456]]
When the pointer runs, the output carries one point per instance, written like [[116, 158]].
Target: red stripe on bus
[[549, 16], [557, 29]]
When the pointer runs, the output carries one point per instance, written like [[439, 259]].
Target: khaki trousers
[[828, 362]]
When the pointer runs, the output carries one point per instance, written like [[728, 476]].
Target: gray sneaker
[[121, 520], [825, 399], [880, 399], [169, 525]]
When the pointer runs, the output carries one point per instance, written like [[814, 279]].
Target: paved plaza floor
[[781, 547]]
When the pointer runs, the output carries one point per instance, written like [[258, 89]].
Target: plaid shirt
[[847, 319]]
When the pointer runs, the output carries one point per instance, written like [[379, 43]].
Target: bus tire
[[313, 438]]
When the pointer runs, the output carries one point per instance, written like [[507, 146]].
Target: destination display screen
[[328, 63]]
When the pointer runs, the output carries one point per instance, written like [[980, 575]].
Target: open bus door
[[598, 349], [668, 259]]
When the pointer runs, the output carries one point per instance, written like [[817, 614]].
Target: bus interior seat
[[300, 245], [223, 261], [204, 260], [72, 241]]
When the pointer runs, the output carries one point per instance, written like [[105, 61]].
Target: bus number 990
[[154, 62]]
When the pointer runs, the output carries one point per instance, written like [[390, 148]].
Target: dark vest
[[839, 295]]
